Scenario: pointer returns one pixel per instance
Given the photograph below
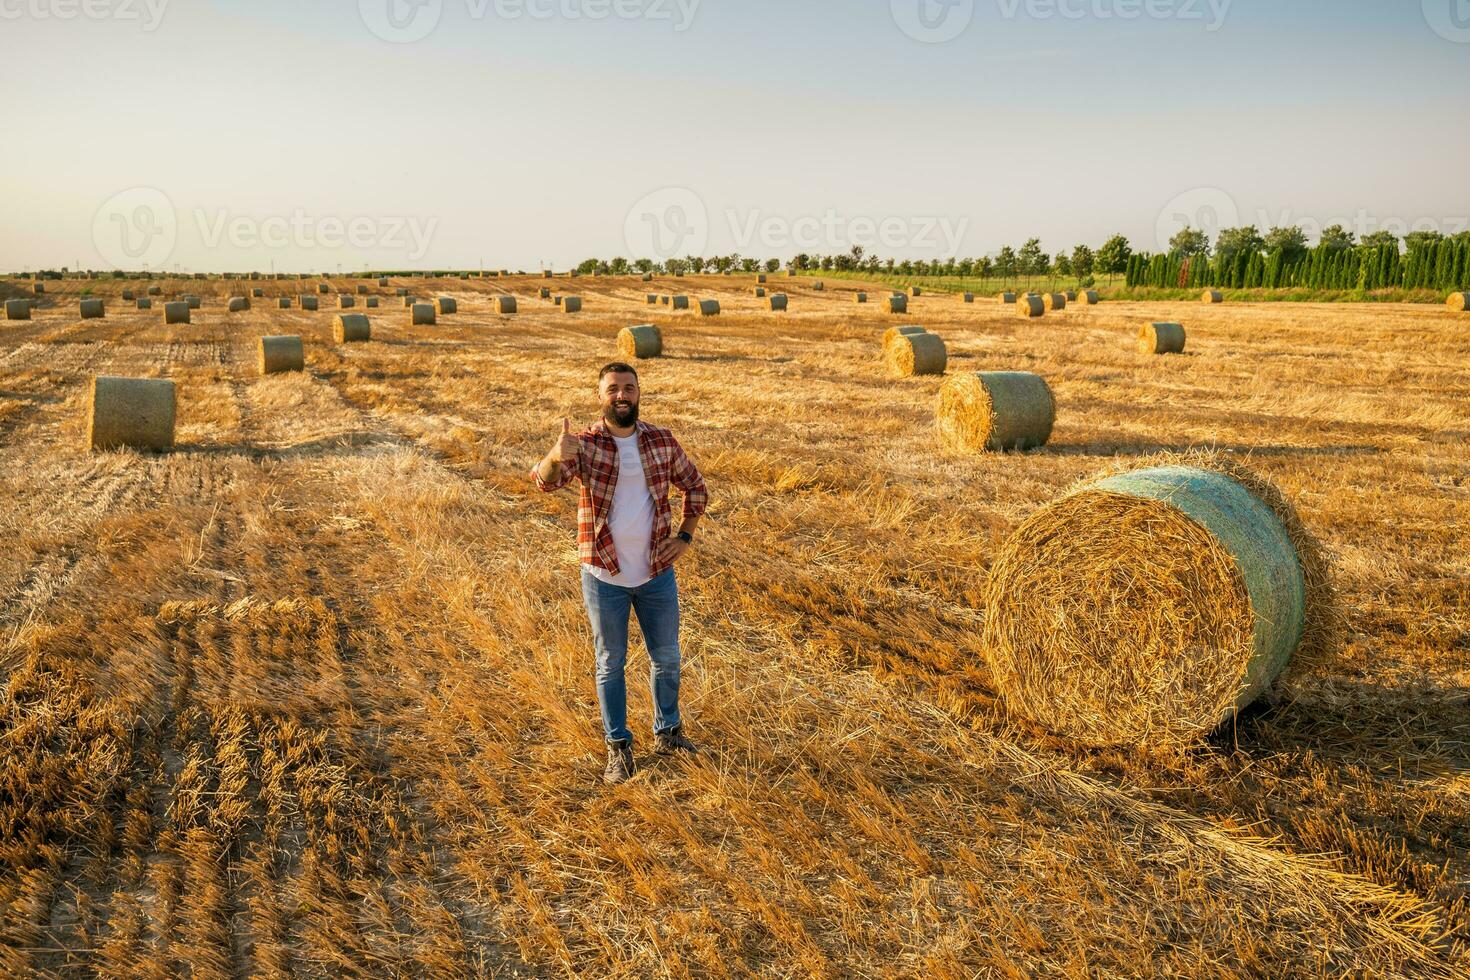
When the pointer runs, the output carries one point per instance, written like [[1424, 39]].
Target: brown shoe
[[673, 740], [620, 765]]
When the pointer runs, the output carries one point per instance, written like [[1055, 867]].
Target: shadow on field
[[346, 444]]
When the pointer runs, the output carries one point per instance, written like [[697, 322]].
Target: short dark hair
[[616, 367]]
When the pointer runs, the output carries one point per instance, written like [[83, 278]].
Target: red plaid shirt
[[664, 463]]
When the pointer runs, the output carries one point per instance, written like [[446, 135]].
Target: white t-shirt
[[629, 519]]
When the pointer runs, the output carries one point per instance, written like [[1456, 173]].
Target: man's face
[[619, 395]]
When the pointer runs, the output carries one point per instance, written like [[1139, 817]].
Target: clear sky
[[313, 134]]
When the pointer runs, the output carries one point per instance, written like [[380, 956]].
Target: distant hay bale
[[134, 413], [237, 304], [176, 312], [258, 293], [993, 411], [1149, 607], [17, 309], [916, 353], [761, 278], [92, 309], [1212, 296], [409, 301], [916, 291], [505, 304], [778, 301], [898, 304], [665, 299], [346, 302], [818, 286], [323, 287], [1459, 302], [144, 303], [859, 297], [194, 302], [353, 327], [893, 333], [448, 304], [647, 277], [371, 302], [641, 342], [1054, 301], [362, 289], [1030, 306], [543, 293], [128, 296], [546, 273], [39, 289], [155, 290], [310, 303], [557, 300], [967, 297], [423, 315], [283, 302], [1088, 297], [759, 292], [279, 354], [1161, 338], [571, 304], [401, 291], [679, 302], [709, 307], [1071, 295], [382, 281]]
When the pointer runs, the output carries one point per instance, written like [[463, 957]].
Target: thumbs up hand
[[568, 445]]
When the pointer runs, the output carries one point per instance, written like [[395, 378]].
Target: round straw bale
[[860, 297], [131, 412], [371, 302], [648, 277], [709, 307], [283, 302], [1212, 296], [194, 302], [128, 295], [652, 299], [323, 287], [382, 281], [401, 291], [967, 297], [409, 301], [759, 292], [557, 300], [995, 411], [144, 303], [1007, 298], [155, 290], [761, 278], [258, 293], [279, 354], [362, 289], [237, 304], [1459, 302], [1054, 301], [39, 289], [176, 312], [679, 302], [916, 291], [17, 309], [91, 309], [448, 305], [571, 304], [665, 300], [1148, 607], [1071, 295], [310, 303], [349, 327], [1161, 338], [506, 304], [543, 293], [641, 341], [898, 304], [423, 315], [1088, 297], [778, 301], [893, 333], [916, 353], [1029, 306], [346, 301]]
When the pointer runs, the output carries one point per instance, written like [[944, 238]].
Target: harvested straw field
[[312, 692]]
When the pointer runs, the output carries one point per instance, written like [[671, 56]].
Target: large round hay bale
[[155, 290], [1459, 302], [916, 353], [571, 304], [994, 411], [91, 309], [1030, 306], [1150, 606], [641, 341], [310, 303], [17, 309], [709, 307], [448, 304], [350, 327], [505, 304], [1212, 296], [371, 302], [893, 333], [1088, 297], [778, 301], [1161, 338], [237, 304], [898, 304], [346, 301], [279, 354], [144, 303], [176, 312], [1007, 299], [423, 315], [679, 302], [194, 302], [1054, 301], [137, 413], [283, 302], [128, 295]]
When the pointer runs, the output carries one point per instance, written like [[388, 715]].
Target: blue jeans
[[656, 604]]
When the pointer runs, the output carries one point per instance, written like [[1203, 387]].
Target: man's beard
[[622, 419]]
